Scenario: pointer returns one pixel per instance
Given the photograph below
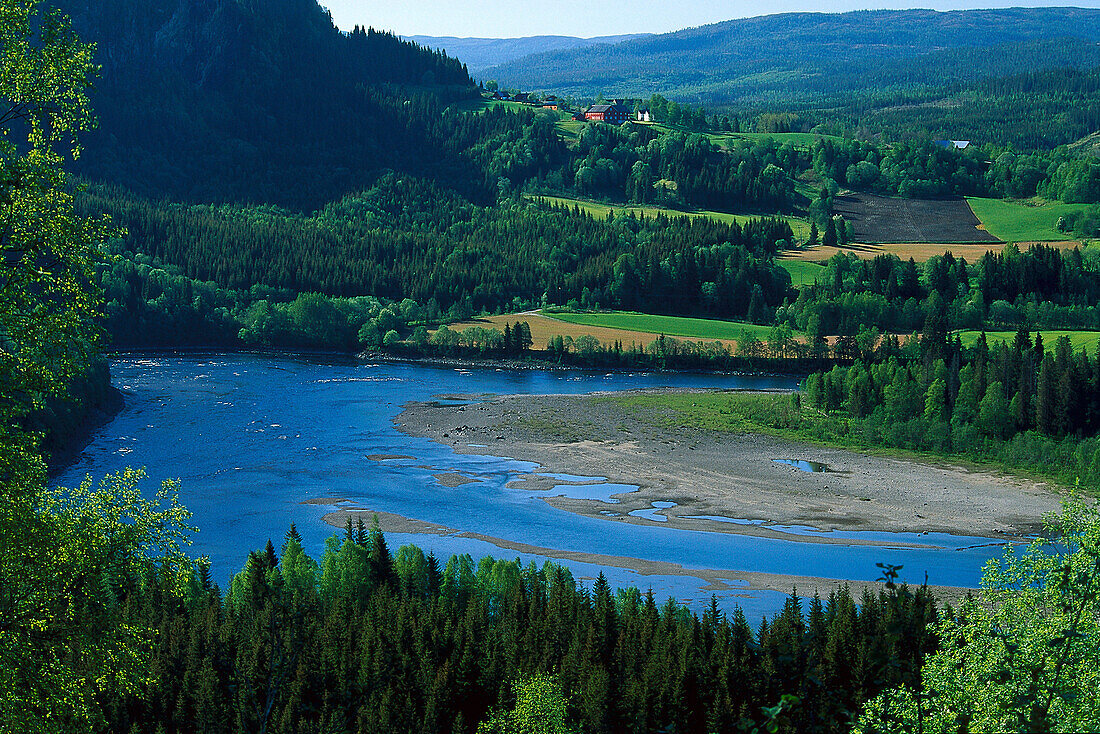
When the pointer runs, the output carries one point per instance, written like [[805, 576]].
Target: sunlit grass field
[[1079, 339], [774, 414], [667, 325], [1019, 222], [802, 272]]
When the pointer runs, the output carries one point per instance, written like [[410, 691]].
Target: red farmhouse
[[613, 114]]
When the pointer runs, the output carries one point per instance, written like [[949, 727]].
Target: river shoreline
[[530, 363], [722, 483], [717, 580], [274, 451], [94, 418], [534, 362]]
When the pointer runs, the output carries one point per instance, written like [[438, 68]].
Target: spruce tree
[[1045, 398], [829, 239]]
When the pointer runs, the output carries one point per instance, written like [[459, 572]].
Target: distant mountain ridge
[[780, 58], [482, 53]]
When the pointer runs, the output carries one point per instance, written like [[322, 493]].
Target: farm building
[[613, 114]]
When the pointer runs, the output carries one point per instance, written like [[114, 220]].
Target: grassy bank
[[781, 415], [774, 414]]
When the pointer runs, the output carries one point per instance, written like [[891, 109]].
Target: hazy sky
[[513, 18]]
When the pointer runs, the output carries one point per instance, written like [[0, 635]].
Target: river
[[253, 437]]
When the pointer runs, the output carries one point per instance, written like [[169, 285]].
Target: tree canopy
[[67, 557]]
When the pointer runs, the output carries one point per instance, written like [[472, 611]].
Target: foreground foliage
[[67, 558], [1024, 656], [540, 709], [68, 561]]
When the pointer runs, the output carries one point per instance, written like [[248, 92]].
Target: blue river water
[[252, 437]]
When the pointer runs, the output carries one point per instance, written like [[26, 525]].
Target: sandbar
[[735, 476]]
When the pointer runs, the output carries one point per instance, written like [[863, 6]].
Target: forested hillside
[[263, 102], [408, 239], [912, 71], [255, 154], [783, 56], [1028, 110]]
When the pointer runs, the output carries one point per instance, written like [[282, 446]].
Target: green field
[[1019, 222], [712, 411], [802, 272], [1079, 339], [799, 140], [484, 103], [800, 227], [569, 128], [667, 325]]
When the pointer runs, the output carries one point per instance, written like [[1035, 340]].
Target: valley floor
[[683, 473]]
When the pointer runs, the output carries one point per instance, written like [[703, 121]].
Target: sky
[[586, 18]]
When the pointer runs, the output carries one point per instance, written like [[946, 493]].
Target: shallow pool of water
[[813, 467], [594, 492], [650, 513]]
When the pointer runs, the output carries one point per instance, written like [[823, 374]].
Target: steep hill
[[481, 53], [242, 100], [790, 57]]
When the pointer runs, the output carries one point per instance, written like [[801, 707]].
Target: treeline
[[1027, 405], [780, 352], [368, 641], [927, 170], [1040, 287], [1084, 223], [65, 420], [644, 166], [1025, 108], [911, 170], [515, 340], [149, 305], [405, 238]]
